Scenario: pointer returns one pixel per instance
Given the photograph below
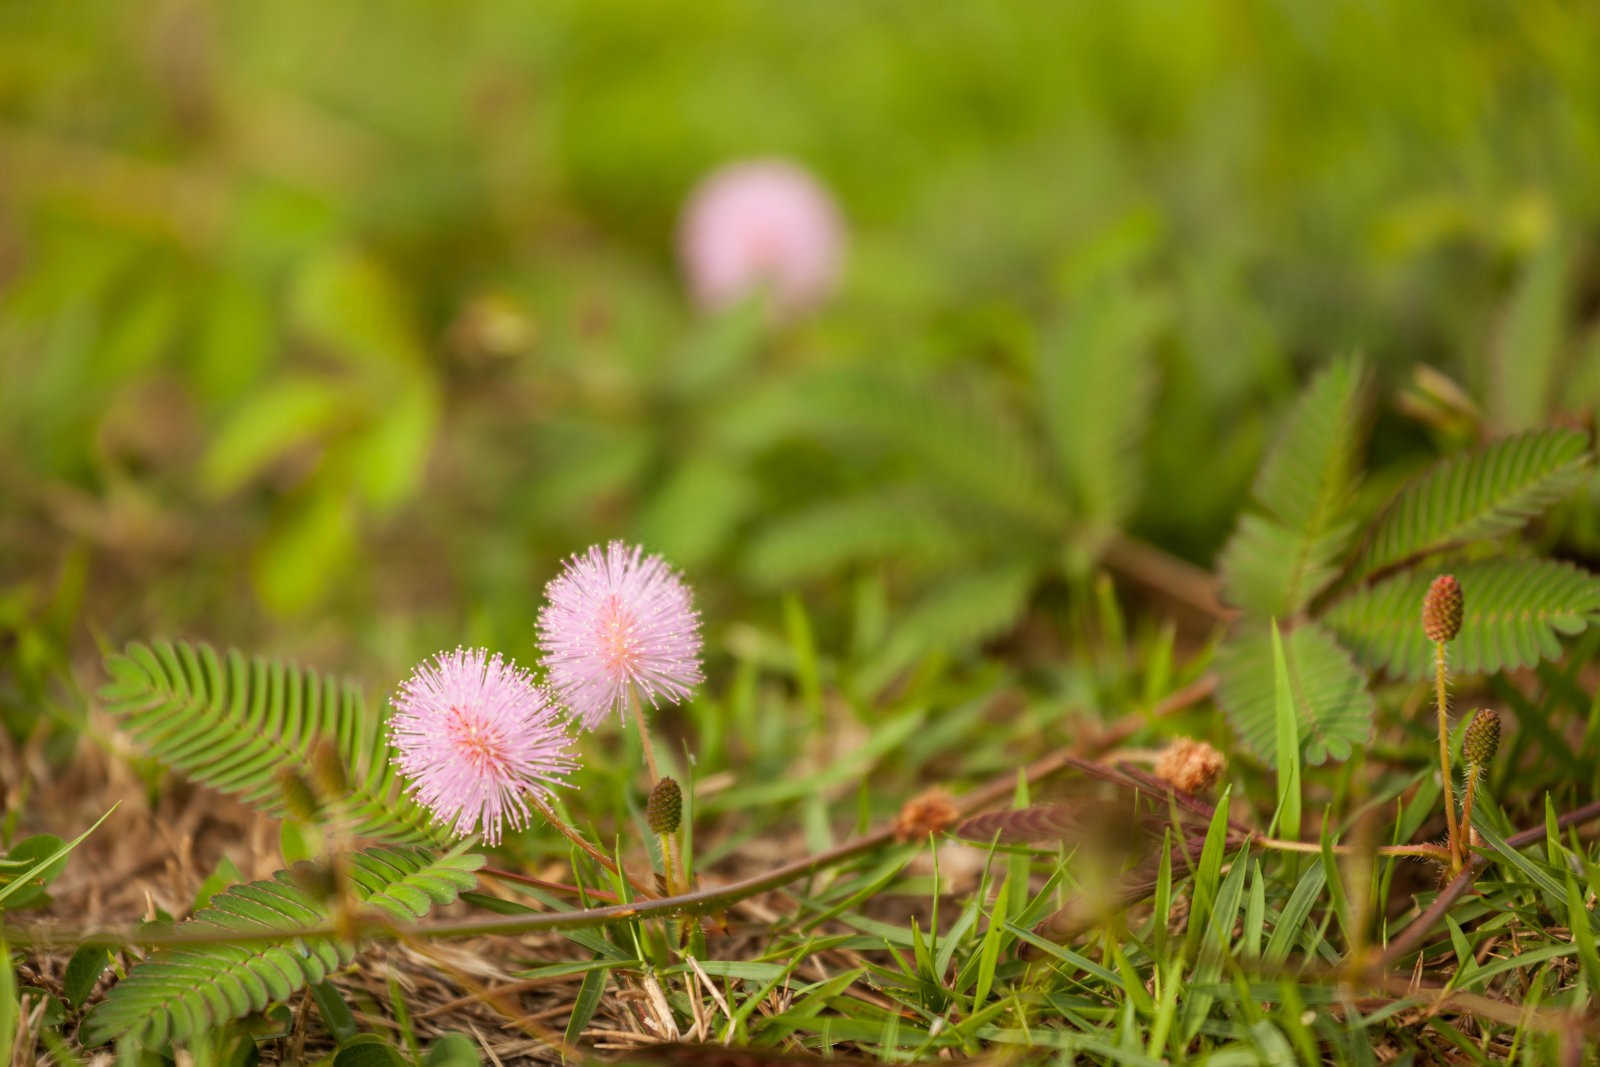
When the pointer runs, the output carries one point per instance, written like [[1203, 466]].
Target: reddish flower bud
[[1441, 609]]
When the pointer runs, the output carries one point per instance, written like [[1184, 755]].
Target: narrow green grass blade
[[1163, 896], [1214, 946], [1166, 1012], [1538, 874], [8, 1003], [989, 952], [1293, 917], [955, 937], [1335, 883], [736, 1025], [1579, 919], [1255, 912], [1207, 875], [24, 878], [583, 1009], [1286, 821], [803, 645]]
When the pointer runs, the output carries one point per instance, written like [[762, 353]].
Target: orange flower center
[[616, 635], [480, 745]]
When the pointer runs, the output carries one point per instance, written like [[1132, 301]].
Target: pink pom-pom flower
[[762, 222], [474, 733], [617, 619]]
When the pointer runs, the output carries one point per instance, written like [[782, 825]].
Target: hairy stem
[[1473, 770], [1412, 935], [669, 863], [998, 789], [637, 707], [1442, 698], [1436, 852], [504, 875], [578, 839]]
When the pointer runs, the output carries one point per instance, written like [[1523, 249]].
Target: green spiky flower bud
[[1482, 738], [1441, 609], [664, 810]]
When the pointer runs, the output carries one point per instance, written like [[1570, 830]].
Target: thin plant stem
[[637, 707], [669, 864], [1442, 700], [1416, 930], [1473, 771], [578, 839], [504, 875], [697, 902], [998, 789], [1437, 852]]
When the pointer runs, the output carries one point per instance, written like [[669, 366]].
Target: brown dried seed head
[[1482, 738], [664, 810], [927, 813], [1441, 609], [1190, 765]]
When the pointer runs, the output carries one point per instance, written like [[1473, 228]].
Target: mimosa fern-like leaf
[[234, 724], [1333, 706], [1516, 611], [1485, 494], [179, 992], [1096, 382], [1277, 561]]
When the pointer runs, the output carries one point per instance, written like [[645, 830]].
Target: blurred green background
[[331, 328]]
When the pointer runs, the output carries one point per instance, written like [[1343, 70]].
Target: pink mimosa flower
[[762, 222], [474, 733], [618, 619]]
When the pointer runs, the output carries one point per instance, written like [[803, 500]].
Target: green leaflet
[[1096, 381], [1515, 612], [1277, 561], [179, 992], [1312, 466], [1484, 494], [1329, 692], [958, 612], [233, 724], [958, 438], [1524, 362], [901, 524], [1273, 571]]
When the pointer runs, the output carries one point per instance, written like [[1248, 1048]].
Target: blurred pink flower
[[474, 733], [761, 222], [618, 618]]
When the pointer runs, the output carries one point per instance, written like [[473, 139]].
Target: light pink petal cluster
[[616, 619], [762, 222], [475, 734]]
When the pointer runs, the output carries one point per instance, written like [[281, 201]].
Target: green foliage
[[1516, 611], [236, 725], [1482, 495], [1524, 362], [827, 537], [1333, 708], [34, 862], [8, 1002], [333, 311], [1296, 562], [182, 991], [1276, 562], [1097, 377], [1286, 748]]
